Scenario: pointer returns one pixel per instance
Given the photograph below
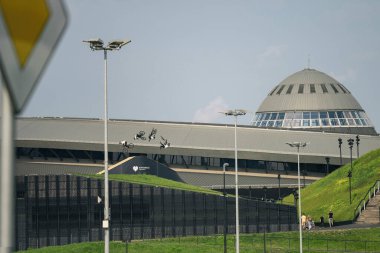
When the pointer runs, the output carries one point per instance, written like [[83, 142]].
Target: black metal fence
[[58, 210]]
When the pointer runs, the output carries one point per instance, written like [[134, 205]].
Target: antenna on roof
[[308, 61]]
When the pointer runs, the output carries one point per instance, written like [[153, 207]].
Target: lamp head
[[117, 44], [95, 44], [236, 112], [297, 144]]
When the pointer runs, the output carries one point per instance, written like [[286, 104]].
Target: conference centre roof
[[190, 139]]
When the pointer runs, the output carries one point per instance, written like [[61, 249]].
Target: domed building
[[312, 100]]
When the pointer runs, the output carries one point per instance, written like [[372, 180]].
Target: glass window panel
[[334, 88], [324, 89], [256, 123], [341, 87], [289, 115], [267, 116], [270, 123], [332, 115], [340, 114], [306, 115], [280, 90], [343, 122], [306, 123], [312, 88], [364, 122], [354, 114], [287, 123], [290, 88], [315, 122], [271, 93], [258, 116], [263, 123], [314, 115], [281, 115], [334, 122], [325, 122], [296, 123], [298, 115], [278, 123], [323, 115], [362, 114], [347, 114], [358, 122], [300, 89], [351, 122], [273, 116]]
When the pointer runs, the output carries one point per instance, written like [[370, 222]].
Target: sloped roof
[[188, 139]]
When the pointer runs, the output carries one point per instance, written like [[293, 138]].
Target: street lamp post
[[236, 113], [299, 145], [350, 144], [340, 150], [225, 207], [279, 186], [357, 146], [98, 45]]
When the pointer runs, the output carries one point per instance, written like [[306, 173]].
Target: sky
[[189, 60]]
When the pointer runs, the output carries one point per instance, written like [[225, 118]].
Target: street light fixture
[[299, 145], [98, 45], [350, 144], [357, 146], [225, 207], [340, 150], [236, 113]]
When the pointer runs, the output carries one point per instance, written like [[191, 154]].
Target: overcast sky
[[188, 60]]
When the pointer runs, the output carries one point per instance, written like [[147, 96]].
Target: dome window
[[324, 89], [334, 88], [290, 88], [312, 88], [300, 89], [280, 90]]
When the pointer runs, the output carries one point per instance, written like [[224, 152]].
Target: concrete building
[[308, 106]]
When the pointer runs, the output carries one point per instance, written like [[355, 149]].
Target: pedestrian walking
[[331, 218]]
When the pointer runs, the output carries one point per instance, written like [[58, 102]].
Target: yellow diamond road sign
[[29, 31]]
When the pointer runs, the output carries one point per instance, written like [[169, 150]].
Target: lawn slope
[[154, 181], [332, 191]]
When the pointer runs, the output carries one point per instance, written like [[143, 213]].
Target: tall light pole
[[279, 187], [98, 45], [350, 144], [225, 207], [299, 145], [236, 113]]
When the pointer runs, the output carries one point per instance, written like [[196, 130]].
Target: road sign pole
[[7, 188]]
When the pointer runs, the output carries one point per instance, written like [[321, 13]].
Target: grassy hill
[[332, 191], [155, 181]]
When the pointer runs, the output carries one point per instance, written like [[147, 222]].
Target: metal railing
[[363, 202]]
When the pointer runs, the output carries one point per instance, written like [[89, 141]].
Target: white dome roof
[[309, 90]]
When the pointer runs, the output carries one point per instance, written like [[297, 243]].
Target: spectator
[[331, 218], [303, 221], [322, 219]]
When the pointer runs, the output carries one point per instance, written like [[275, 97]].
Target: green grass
[[332, 191], [350, 240], [155, 181]]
